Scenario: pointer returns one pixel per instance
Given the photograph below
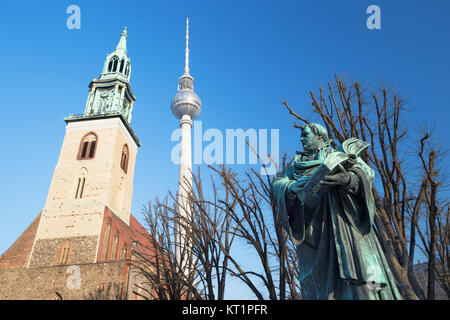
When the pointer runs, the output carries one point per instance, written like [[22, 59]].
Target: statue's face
[[310, 141]]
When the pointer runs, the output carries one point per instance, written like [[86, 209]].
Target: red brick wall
[[125, 235], [128, 234]]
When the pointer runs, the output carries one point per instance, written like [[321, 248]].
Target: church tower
[[85, 230], [95, 167]]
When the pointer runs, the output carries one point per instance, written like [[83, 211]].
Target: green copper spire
[[111, 93]]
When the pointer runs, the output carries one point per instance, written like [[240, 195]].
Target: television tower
[[186, 106]]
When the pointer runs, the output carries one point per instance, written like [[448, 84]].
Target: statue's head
[[314, 137]]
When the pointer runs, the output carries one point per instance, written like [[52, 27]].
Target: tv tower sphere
[[186, 101]]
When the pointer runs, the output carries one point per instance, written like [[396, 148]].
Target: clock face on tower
[[104, 94]]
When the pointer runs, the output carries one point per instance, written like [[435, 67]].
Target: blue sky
[[246, 57]]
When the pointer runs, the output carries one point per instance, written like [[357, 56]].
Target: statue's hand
[[340, 178], [295, 187], [350, 162]]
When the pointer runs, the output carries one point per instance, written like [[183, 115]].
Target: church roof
[[17, 255]]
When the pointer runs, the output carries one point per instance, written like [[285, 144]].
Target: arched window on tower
[[115, 61], [64, 251], [87, 146], [110, 65], [92, 149], [80, 182], [105, 243], [121, 66], [124, 158], [127, 69]]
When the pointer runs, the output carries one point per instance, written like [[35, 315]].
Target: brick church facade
[[83, 242]]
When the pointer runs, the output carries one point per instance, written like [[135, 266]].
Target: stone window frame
[[64, 252], [86, 146], [80, 183]]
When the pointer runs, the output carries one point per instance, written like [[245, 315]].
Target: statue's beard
[[315, 151], [313, 148], [309, 151]]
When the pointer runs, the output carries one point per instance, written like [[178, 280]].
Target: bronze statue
[[327, 208]]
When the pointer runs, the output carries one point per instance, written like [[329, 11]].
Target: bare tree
[[443, 245], [233, 211], [167, 274], [189, 264], [432, 222], [210, 234], [256, 222]]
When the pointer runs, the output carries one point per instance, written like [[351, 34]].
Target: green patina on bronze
[[327, 207]]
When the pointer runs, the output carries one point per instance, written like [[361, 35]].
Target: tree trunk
[[433, 243], [400, 271]]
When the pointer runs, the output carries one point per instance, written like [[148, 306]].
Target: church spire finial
[[186, 64], [122, 45]]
